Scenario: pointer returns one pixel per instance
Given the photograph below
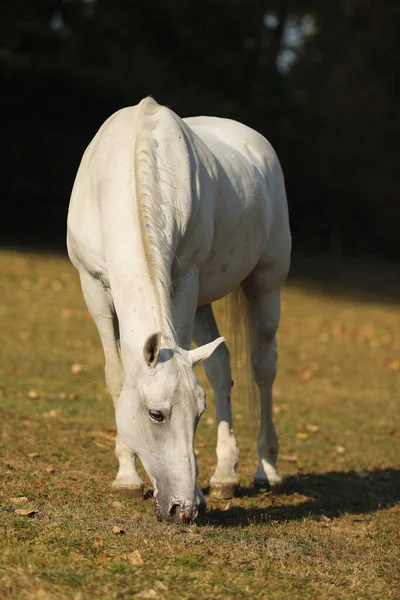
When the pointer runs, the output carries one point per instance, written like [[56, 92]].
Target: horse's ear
[[201, 353], [151, 349]]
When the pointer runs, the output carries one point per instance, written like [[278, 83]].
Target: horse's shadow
[[329, 495]]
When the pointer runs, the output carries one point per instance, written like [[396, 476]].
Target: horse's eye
[[157, 416]]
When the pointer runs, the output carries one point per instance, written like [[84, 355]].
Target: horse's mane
[[150, 206]]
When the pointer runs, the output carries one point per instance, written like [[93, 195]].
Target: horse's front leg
[[184, 303], [99, 303]]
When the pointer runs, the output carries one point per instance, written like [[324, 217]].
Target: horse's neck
[[140, 308], [140, 313], [143, 316]]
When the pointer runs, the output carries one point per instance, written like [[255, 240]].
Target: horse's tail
[[239, 334]]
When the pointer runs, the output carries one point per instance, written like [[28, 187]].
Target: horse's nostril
[[175, 511]]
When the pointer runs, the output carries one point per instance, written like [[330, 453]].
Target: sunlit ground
[[332, 532]]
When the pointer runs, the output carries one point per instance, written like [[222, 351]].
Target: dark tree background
[[319, 78]]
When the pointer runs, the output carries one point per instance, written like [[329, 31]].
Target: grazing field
[[332, 532]]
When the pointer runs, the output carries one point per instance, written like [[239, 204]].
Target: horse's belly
[[241, 230], [223, 272]]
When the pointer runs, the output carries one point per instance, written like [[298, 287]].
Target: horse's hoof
[[272, 487], [223, 490], [133, 491]]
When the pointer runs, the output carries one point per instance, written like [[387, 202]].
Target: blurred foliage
[[319, 78]]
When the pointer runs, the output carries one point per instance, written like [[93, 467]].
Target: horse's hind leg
[[99, 303], [264, 305], [223, 483]]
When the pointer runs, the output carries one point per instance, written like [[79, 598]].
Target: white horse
[[168, 215]]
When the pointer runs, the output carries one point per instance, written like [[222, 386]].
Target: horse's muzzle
[[183, 512], [179, 510]]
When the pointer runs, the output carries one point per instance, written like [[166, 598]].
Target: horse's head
[[157, 416]]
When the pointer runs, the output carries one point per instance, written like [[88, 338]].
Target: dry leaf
[[230, 505], [33, 454], [339, 449], [52, 413], [278, 408], [312, 428], [77, 368], [151, 593], [108, 434], [67, 396], [307, 375], [210, 421], [292, 458], [101, 445], [134, 558], [302, 436], [50, 469], [394, 365], [98, 543], [118, 530], [24, 335], [26, 512], [321, 518], [33, 394], [18, 500], [325, 519]]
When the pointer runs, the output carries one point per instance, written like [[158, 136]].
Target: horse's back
[[251, 216], [245, 154], [220, 133]]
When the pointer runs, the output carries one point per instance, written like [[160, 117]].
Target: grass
[[332, 532]]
